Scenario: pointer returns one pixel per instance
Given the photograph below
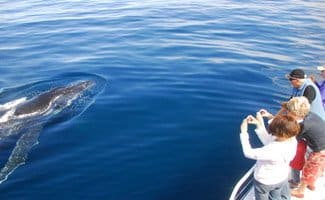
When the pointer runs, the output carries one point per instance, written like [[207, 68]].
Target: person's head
[[298, 106], [296, 77], [322, 69], [284, 126]]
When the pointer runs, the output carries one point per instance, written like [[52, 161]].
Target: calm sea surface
[[180, 76]]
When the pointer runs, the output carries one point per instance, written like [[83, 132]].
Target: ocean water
[[179, 78]]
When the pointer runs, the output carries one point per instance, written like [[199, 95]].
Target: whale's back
[[43, 101], [37, 104]]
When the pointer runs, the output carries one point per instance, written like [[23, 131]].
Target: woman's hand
[[265, 113], [251, 120]]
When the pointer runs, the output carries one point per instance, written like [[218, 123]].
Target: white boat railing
[[244, 189], [243, 186]]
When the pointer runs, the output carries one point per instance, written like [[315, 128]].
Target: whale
[[44, 101], [24, 118]]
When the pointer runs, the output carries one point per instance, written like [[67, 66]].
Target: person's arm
[[310, 93], [313, 79], [264, 136], [260, 130], [283, 109], [267, 114], [263, 153]]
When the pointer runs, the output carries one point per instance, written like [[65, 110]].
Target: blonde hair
[[299, 106]]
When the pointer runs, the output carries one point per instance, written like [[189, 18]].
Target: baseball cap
[[296, 74], [321, 68]]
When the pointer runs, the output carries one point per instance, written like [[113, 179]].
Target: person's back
[[277, 163], [313, 132]]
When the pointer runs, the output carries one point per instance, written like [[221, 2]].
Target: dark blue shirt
[[313, 131]]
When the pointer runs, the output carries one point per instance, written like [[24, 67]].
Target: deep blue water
[[180, 78]]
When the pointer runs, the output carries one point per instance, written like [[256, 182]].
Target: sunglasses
[[291, 79]]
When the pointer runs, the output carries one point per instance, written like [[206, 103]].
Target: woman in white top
[[272, 160]]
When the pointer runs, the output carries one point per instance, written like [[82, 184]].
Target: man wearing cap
[[305, 87], [320, 85]]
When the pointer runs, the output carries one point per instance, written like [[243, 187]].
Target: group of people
[[293, 141]]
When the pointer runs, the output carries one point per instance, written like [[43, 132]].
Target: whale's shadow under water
[[27, 109]]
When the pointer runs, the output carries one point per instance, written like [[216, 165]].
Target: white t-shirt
[[272, 160]]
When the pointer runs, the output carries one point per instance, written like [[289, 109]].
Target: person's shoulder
[[309, 87], [311, 115], [314, 118], [322, 83], [310, 92]]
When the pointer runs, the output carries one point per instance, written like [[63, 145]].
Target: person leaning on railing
[[313, 135], [313, 132], [272, 160]]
